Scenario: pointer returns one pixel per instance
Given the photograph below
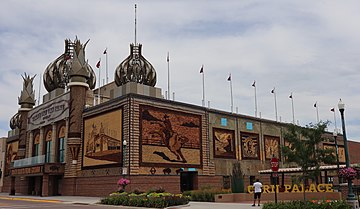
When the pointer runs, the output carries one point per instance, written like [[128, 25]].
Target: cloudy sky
[[308, 48]]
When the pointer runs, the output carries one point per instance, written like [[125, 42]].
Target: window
[[48, 151], [36, 145], [48, 146], [61, 150], [61, 144]]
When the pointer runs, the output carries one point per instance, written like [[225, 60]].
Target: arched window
[[36, 146], [48, 139], [62, 143]]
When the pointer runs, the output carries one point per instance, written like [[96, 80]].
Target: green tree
[[304, 150]]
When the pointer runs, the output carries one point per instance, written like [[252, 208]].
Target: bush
[[153, 200], [308, 205], [205, 195]]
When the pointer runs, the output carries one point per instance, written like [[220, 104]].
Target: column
[[45, 185], [31, 144], [66, 137], [53, 144], [41, 143]]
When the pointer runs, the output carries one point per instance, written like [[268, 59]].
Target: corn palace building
[[81, 140]]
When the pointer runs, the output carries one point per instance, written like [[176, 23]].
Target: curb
[[29, 199]]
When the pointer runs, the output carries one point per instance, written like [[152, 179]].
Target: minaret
[[79, 74], [26, 102]]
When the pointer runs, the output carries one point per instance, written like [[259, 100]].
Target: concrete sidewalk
[[63, 199], [94, 200]]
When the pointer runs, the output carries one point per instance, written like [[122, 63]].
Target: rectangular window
[[48, 152], [223, 122], [61, 150], [249, 126]]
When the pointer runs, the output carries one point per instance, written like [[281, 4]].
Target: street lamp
[[337, 154], [124, 171], [351, 195]]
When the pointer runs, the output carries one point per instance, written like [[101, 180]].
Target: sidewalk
[[63, 199], [93, 200]]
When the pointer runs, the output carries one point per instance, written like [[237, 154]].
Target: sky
[[306, 48]]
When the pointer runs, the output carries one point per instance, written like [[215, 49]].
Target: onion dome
[[56, 73], [135, 68], [15, 121]]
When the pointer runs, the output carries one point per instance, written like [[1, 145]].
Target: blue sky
[[309, 48]]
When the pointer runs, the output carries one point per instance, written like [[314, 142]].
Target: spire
[[135, 24], [27, 96]]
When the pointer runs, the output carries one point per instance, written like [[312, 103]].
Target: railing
[[29, 161]]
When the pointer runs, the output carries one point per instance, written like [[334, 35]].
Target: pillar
[[45, 185], [30, 144], [53, 144], [41, 144]]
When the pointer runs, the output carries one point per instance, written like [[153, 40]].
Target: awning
[[298, 169]]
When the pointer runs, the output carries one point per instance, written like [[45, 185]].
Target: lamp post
[[337, 154], [351, 195]]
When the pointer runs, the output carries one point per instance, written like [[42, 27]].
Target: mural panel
[[341, 152], [250, 146], [272, 147], [170, 138], [11, 155], [224, 143], [102, 140]]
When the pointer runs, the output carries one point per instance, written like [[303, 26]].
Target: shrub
[[308, 205], [153, 200], [205, 195]]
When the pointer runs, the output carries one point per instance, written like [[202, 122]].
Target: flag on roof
[[229, 78]]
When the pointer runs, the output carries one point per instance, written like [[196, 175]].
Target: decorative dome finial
[[56, 74], [135, 68], [27, 96]]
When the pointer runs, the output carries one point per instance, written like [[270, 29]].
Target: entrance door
[[188, 180]]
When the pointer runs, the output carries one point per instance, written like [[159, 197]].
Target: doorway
[[188, 180]]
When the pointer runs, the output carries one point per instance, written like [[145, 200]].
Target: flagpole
[[107, 75], [292, 105], [231, 94], [168, 62], [333, 110], [40, 90], [203, 85], [274, 92], [99, 97], [254, 85], [317, 112]]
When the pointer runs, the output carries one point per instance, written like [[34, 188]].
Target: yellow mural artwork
[[224, 143], [102, 140], [250, 146], [169, 137], [272, 147]]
